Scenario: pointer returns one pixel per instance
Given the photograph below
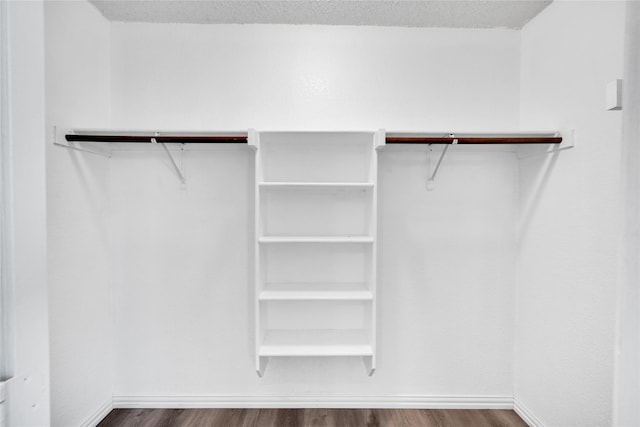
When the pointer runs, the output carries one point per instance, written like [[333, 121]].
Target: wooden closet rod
[[191, 139], [474, 140], [243, 138]]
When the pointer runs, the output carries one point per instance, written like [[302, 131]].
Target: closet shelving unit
[[242, 137], [315, 278], [463, 138], [315, 227]]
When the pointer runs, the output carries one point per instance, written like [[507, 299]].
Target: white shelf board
[[312, 185], [305, 342], [315, 239], [315, 291]]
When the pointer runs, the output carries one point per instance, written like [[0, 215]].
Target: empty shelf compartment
[[316, 157], [316, 211]]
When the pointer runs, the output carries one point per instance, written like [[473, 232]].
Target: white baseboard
[[402, 401], [99, 415], [526, 415], [391, 402]]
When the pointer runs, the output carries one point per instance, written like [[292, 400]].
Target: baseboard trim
[[526, 415], [99, 415], [402, 401]]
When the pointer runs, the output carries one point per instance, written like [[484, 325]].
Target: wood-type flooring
[[311, 418]]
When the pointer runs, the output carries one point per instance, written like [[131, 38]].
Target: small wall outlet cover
[[614, 95]]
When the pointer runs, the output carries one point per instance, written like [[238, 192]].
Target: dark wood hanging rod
[[191, 139], [474, 140], [243, 139]]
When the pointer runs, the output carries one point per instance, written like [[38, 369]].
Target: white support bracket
[[431, 180], [72, 146], [380, 139], [253, 139], [369, 365], [173, 162], [568, 142], [261, 365]]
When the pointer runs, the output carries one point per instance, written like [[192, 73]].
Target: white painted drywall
[[183, 287], [81, 315], [626, 410], [313, 77], [28, 392], [569, 225]]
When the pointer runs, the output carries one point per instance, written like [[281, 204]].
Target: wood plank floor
[[311, 418]]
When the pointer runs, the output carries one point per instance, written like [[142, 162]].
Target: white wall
[[569, 216], [81, 316], [181, 258], [28, 392], [183, 300], [627, 385], [313, 77], [447, 273]]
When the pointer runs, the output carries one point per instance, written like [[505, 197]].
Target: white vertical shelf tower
[[315, 249]]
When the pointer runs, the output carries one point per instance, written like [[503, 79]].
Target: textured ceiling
[[399, 13]]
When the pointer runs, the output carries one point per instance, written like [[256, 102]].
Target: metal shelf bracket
[[72, 146], [431, 180], [568, 142], [173, 161]]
